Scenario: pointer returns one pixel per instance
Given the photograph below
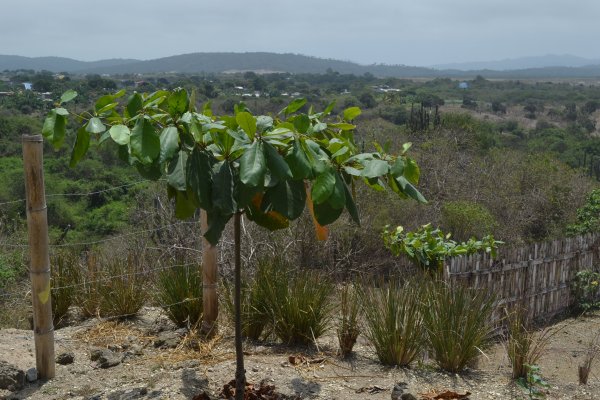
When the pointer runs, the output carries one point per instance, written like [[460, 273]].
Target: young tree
[[264, 167]]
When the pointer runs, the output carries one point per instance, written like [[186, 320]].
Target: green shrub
[[457, 321], [179, 292], [428, 247], [64, 267], [586, 291], [298, 303], [348, 325], [394, 321], [466, 219], [588, 216]]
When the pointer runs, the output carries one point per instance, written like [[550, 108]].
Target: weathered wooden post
[[39, 266], [210, 301]]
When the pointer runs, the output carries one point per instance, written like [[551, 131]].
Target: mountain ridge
[[277, 62]]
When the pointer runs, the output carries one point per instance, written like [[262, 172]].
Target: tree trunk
[[240, 372], [210, 301]]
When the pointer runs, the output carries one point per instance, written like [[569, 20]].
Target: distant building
[[463, 85], [28, 85]]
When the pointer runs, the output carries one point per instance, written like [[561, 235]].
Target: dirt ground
[[148, 372]]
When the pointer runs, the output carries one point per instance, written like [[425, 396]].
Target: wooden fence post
[[39, 267], [210, 301]]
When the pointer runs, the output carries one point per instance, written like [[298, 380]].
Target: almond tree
[[266, 168]]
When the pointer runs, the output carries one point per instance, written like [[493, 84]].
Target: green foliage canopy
[[237, 163]]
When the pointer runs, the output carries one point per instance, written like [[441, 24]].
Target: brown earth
[[147, 372]]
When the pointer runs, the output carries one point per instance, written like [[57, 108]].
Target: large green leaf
[[264, 122], [120, 134], [338, 195], [178, 101], [253, 165], [94, 125], [177, 169], [298, 162], [216, 225], [169, 143], [54, 129], [302, 123], [223, 188], [323, 186], [199, 178], [185, 207], [351, 113], [149, 171], [294, 106], [375, 168], [68, 96], [287, 198], [247, 122], [325, 214], [350, 206], [82, 143], [398, 167], [412, 171], [409, 190], [144, 142], [134, 105], [276, 163]]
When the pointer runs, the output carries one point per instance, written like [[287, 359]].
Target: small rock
[[31, 375], [65, 358], [398, 390], [11, 378], [408, 396], [105, 358], [167, 340], [255, 369]]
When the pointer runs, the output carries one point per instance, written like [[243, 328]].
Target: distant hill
[[291, 63], [550, 60]]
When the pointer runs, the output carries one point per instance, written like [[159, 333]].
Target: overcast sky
[[411, 32]]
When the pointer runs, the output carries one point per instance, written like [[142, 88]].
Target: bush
[[466, 219], [586, 291], [457, 321], [298, 303], [588, 216], [179, 293], [394, 321]]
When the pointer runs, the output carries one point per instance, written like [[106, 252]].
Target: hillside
[[273, 62], [550, 60]]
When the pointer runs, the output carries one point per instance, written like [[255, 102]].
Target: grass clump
[[348, 326], [457, 321], [65, 278], [394, 320], [179, 292], [297, 302], [524, 345]]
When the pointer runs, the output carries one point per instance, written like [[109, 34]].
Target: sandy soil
[[147, 372]]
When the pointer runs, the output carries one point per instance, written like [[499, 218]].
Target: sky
[[409, 32]]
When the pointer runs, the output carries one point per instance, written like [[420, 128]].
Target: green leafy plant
[[533, 383], [348, 325], [394, 320], [64, 281], [428, 247], [466, 219], [588, 216], [458, 323], [179, 291], [586, 291], [267, 168]]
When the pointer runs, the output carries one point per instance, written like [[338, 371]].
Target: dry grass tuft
[[192, 347], [112, 332]]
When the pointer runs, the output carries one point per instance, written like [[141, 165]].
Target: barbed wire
[[51, 195], [25, 245]]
